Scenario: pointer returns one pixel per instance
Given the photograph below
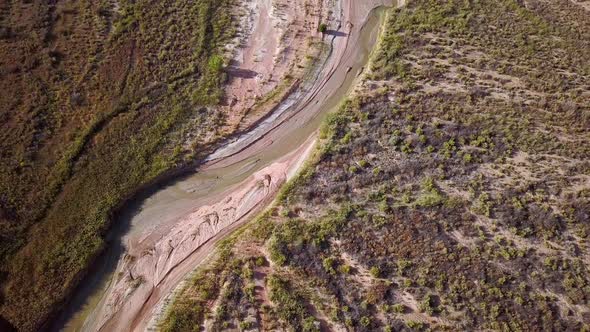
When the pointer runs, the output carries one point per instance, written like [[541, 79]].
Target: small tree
[[215, 63], [323, 28]]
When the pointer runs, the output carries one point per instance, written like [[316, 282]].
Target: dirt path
[[158, 261]]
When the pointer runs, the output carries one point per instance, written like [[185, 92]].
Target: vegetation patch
[[99, 99]]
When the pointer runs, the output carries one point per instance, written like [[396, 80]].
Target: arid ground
[[451, 191], [448, 188]]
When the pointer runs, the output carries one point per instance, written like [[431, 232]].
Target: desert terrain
[[307, 165]]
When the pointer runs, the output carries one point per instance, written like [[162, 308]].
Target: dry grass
[[96, 97], [452, 192]]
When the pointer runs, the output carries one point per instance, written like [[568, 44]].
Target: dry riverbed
[[244, 176]]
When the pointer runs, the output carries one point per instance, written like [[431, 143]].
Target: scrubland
[[451, 191], [99, 98]]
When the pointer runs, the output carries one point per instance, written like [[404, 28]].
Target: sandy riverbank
[[151, 271]]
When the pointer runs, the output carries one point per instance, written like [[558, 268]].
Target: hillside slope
[[451, 192], [97, 99]]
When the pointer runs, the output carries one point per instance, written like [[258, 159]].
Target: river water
[[176, 199]]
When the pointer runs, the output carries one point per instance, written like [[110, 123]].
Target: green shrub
[[375, 271], [398, 308], [365, 321]]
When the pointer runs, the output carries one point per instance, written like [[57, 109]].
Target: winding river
[[290, 131]]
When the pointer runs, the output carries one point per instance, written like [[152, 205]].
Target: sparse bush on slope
[[96, 102]]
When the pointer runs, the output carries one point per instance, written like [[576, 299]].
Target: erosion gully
[[295, 125]]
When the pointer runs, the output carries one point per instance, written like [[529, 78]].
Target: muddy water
[[225, 168]]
